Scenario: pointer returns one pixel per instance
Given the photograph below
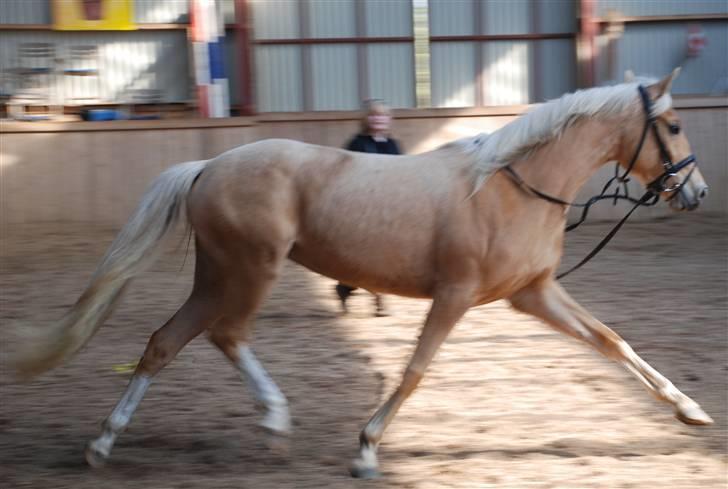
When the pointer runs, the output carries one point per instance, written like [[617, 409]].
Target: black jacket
[[366, 144]]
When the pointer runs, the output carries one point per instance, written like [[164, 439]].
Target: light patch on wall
[[128, 71], [460, 97], [7, 159], [505, 73], [459, 128]]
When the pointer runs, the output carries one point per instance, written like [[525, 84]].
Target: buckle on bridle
[[660, 184]]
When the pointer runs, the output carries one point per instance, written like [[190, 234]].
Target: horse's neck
[[563, 166]]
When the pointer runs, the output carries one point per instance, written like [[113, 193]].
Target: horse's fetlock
[[116, 423]]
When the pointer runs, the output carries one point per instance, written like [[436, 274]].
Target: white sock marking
[[119, 418], [265, 391]]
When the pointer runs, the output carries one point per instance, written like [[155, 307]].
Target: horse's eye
[[674, 129]]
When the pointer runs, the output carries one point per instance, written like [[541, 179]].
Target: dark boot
[[379, 304], [344, 291]]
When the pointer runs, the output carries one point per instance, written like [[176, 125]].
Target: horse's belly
[[384, 269]]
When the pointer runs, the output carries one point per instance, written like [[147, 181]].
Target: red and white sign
[[696, 40]]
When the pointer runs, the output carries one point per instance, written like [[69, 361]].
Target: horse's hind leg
[[232, 336], [277, 419], [198, 313], [548, 301]]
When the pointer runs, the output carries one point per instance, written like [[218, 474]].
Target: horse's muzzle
[[689, 197]]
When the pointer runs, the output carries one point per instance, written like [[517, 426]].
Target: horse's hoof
[[360, 472], [693, 415], [95, 457], [278, 444]]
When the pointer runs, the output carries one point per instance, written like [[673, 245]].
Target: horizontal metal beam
[[654, 19], [504, 37], [141, 27], [333, 40]]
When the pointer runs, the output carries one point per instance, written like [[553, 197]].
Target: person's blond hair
[[369, 107]]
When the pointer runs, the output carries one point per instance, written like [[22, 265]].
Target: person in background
[[374, 137]]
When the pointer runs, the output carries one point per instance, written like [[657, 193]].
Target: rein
[[651, 196]]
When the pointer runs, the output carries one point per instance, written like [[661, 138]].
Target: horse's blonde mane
[[547, 122]]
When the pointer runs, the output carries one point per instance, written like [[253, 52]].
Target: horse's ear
[[663, 86], [629, 76]]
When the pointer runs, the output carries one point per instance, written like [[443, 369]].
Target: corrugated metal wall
[[25, 12], [390, 18], [391, 75], [513, 71], [448, 18], [154, 60], [507, 72], [452, 74], [161, 11], [173, 11], [127, 60], [145, 11], [663, 7], [556, 77], [506, 16], [332, 19], [557, 16], [278, 78], [336, 79], [277, 68], [510, 70], [654, 50]]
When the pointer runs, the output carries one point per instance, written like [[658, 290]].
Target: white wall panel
[[151, 60], [390, 18], [278, 78], [557, 16], [332, 18], [451, 18], [334, 77], [557, 68], [506, 16], [662, 7], [25, 12], [275, 19], [391, 75], [506, 70], [453, 74], [654, 50]]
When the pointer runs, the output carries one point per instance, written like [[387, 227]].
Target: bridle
[[621, 191]]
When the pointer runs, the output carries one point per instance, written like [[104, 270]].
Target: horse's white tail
[[129, 255]]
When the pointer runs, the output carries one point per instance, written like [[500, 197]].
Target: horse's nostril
[[703, 193]]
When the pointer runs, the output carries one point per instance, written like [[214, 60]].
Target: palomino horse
[[445, 225]]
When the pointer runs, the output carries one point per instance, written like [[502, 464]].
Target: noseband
[[621, 192]]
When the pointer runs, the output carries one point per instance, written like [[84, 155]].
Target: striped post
[[207, 35]]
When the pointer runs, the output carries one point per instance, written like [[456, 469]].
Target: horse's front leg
[[447, 307], [550, 302]]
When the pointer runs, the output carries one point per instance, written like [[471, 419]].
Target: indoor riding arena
[[508, 402]]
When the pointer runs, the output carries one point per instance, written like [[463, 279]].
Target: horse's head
[[655, 149]]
